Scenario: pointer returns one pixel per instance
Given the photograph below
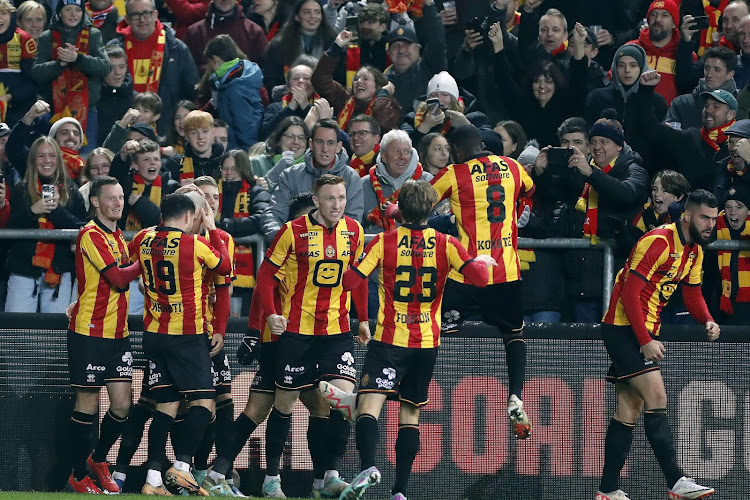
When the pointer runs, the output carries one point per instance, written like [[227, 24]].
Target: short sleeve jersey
[[483, 194], [101, 309], [173, 266], [662, 260], [316, 257], [414, 263]]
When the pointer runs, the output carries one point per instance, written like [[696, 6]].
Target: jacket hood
[[339, 165], [245, 73], [397, 182], [669, 50], [616, 77]]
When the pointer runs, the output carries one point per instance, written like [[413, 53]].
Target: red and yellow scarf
[[244, 262], [715, 137], [363, 164], [562, 48], [45, 249], [137, 50], [419, 118], [347, 112], [729, 280], [288, 99], [133, 223], [707, 35], [73, 162], [98, 16], [726, 43], [70, 90], [377, 217], [588, 203]]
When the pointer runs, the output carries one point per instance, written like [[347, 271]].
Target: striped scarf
[[715, 137], [377, 216], [588, 203], [649, 219], [98, 16], [707, 35], [525, 256], [419, 118], [45, 249], [561, 49], [734, 266], [137, 49], [244, 262], [133, 223], [363, 164], [736, 172], [70, 90], [348, 110], [186, 168], [73, 162], [287, 99]]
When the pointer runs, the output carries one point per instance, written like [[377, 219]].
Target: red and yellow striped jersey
[[414, 263], [734, 266], [483, 194], [662, 260], [259, 322], [315, 258], [212, 280], [101, 310], [173, 265]]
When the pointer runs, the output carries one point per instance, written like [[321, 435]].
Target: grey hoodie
[[687, 109], [299, 179]]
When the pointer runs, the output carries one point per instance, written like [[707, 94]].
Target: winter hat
[[443, 82], [529, 154], [608, 126], [144, 130], [63, 3], [741, 193], [634, 51], [493, 142], [668, 5], [62, 121]]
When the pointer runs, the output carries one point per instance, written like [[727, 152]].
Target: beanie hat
[[529, 153], [62, 121], [443, 82], [144, 130], [741, 193], [668, 5], [634, 51], [63, 3], [607, 126], [493, 142]]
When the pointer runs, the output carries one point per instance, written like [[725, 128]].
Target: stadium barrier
[[467, 450]]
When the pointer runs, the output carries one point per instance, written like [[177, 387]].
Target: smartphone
[[433, 105], [701, 22], [48, 191], [557, 160], [352, 25], [479, 25]]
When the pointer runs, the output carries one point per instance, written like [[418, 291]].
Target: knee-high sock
[[195, 423], [224, 426], [205, 446], [515, 359], [81, 430], [132, 434], [112, 427], [407, 447], [243, 427], [616, 449], [317, 436], [368, 437], [660, 438], [157, 439], [338, 438], [277, 431]]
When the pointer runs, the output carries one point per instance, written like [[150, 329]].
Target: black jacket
[[201, 166], [260, 200], [113, 104]]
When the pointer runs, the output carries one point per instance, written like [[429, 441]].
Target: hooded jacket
[[300, 178], [239, 103], [686, 109]]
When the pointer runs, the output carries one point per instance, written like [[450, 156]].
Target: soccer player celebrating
[[98, 343], [483, 190], [174, 323], [414, 262], [661, 260], [316, 344]]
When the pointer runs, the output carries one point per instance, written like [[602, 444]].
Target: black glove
[[249, 348]]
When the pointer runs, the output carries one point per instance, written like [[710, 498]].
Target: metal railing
[[259, 245]]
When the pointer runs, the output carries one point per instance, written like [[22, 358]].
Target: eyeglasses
[[137, 16], [359, 133], [293, 137]]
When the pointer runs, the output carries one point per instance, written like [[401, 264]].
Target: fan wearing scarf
[[202, 154], [364, 138], [368, 94], [104, 16], [17, 52], [734, 266], [70, 66], [299, 97], [41, 276]]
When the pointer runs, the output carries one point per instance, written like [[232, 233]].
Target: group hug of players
[[299, 329]]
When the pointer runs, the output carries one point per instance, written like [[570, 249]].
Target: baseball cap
[[722, 96], [402, 33]]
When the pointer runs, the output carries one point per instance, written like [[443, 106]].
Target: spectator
[[269, 15], [117, 91], [324, 156], [368, 95], [105, 17], [202, 155], [237, 82], [11, 175], [453, 108], [32, 18], [186, 13], [226, 17], [97, 165], [364, 137], [174, 141], [543, 38], [123, 128], [730, 24], [164, 64], [148, 106], [667, 51], [335, 12], [284, 148], [546, 101], [410, 72], [299, 97], [733, 224], [306, 32], [370, 46], [70, 65], [742, 73], [731, 172], [41, 270], [668, 190], [718, 70], [514, 138], [434, 153], [221, 133], [17, 53]]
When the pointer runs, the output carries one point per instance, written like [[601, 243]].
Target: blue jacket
[[239, 103]]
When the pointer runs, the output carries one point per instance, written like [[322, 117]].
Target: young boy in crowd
[[202, 155], [148, 105]]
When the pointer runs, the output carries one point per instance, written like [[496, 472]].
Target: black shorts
[[265, 378], [222, 375], [303, 360], [625, 352], [179, 366], [499, 305], [402, 373], [95, 361]]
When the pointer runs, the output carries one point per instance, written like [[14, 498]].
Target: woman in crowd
[[97, 165], [32, 18], [306, 32], [285, 147], [369, 94], [174, 142], [299, 98], [434, 152], [269, 15], [41, 272], [514, 138]]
